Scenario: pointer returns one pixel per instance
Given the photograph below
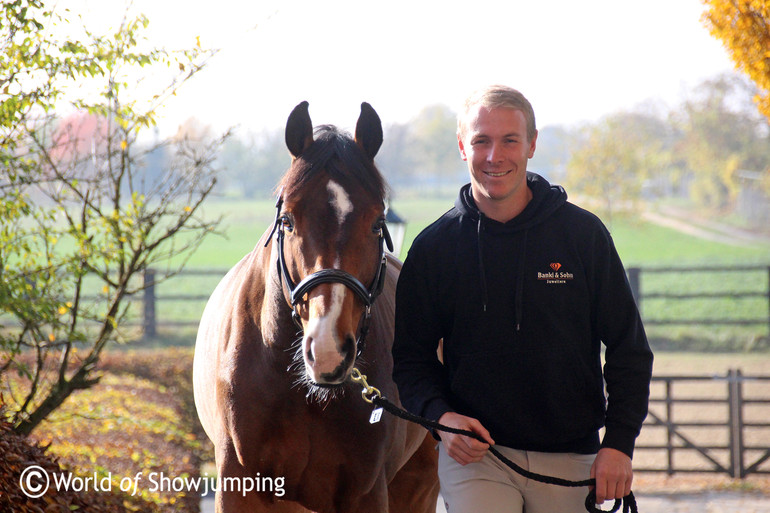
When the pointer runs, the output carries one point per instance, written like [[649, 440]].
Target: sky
[[575, 61]]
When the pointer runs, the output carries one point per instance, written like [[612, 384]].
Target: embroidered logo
[[555, 276]]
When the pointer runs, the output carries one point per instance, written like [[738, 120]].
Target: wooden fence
[[707, 424], [681, 292], [759, 288]]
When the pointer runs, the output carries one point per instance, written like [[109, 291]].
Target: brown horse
[[285, 327]]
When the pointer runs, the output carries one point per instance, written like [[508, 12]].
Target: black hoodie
[[523, 308]]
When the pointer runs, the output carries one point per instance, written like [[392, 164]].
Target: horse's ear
[[369, 130], [299, 130]]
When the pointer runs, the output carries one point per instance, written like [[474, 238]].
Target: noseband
[[297, 291]]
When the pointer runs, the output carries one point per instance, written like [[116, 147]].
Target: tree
[[552, 153], [254, 167], [78, 219], [720, 134], [615, 159], [743, 26], [432, 146]]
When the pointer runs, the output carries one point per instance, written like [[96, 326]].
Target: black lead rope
[[628, 502]]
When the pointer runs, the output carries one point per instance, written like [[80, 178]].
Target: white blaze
[[321, 329], [340, 201]]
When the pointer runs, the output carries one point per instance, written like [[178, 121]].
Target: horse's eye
[[378, 226], [287, 223]]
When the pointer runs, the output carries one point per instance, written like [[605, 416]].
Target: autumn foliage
[[743, 26], [139, 418]]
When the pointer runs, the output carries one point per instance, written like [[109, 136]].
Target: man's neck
[[505, 210]]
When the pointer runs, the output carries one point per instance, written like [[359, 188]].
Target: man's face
[[496, 148]]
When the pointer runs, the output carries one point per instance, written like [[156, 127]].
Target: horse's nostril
[[309, 352], [349, 345]]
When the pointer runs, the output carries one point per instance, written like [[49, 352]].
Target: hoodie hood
[[546, 199]]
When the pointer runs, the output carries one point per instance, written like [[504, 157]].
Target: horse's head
[[330, 225]]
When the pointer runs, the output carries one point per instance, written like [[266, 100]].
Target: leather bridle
[[297, 291]]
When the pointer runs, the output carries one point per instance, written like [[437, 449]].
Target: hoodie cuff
[[434, 410], [621, 439]]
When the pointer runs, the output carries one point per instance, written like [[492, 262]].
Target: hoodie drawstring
[[482, 274], [519, 299], [520, 281]]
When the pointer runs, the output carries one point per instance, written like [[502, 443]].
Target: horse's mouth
[[326, 385]]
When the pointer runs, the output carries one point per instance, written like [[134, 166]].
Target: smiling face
[[495, 145]]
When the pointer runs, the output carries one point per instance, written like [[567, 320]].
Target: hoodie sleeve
[[628, 358], [417, 371]]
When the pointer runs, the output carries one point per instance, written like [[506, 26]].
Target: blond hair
[[494, 97]]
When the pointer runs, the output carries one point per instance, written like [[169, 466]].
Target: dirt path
[[683, 221]]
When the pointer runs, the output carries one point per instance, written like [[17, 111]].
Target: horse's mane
[[335, 152]]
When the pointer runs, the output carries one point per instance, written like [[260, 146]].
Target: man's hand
[[461, 448], [613, 474]]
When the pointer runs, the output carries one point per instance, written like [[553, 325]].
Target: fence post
[[735, 398], [669, 428], [634, 279], [149, 322]]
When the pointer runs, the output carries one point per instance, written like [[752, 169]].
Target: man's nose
[[495, 154]]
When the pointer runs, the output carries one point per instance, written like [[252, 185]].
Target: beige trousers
[[489, 486]]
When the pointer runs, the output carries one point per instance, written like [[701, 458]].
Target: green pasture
[[640, 244]]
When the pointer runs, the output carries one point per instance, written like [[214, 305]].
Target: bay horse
[[282, 331]]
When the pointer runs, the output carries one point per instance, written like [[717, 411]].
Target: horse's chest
[[311, 441]]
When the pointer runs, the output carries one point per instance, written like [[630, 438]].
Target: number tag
[[376, 416]]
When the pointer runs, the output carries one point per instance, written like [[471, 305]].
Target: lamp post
[[397, 227]]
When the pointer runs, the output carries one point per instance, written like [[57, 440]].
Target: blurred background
[[142, 143]]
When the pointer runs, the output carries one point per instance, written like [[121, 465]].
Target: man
[[523, 288]]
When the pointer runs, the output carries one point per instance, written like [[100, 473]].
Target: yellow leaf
[[51, 337], [63, 310], [187, 209], [123, 145]]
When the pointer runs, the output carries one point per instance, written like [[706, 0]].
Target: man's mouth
[[496, 174]]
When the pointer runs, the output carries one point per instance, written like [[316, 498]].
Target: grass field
[[640, 244]]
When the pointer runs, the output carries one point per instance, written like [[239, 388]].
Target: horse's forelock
[[337, 154]]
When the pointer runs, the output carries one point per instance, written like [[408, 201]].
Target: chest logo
[[555, 276]]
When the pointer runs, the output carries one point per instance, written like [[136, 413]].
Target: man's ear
[[533, 145], [461, 147]]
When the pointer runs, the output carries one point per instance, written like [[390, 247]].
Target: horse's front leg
[[227, 503], [376, 501], [236, 491]]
